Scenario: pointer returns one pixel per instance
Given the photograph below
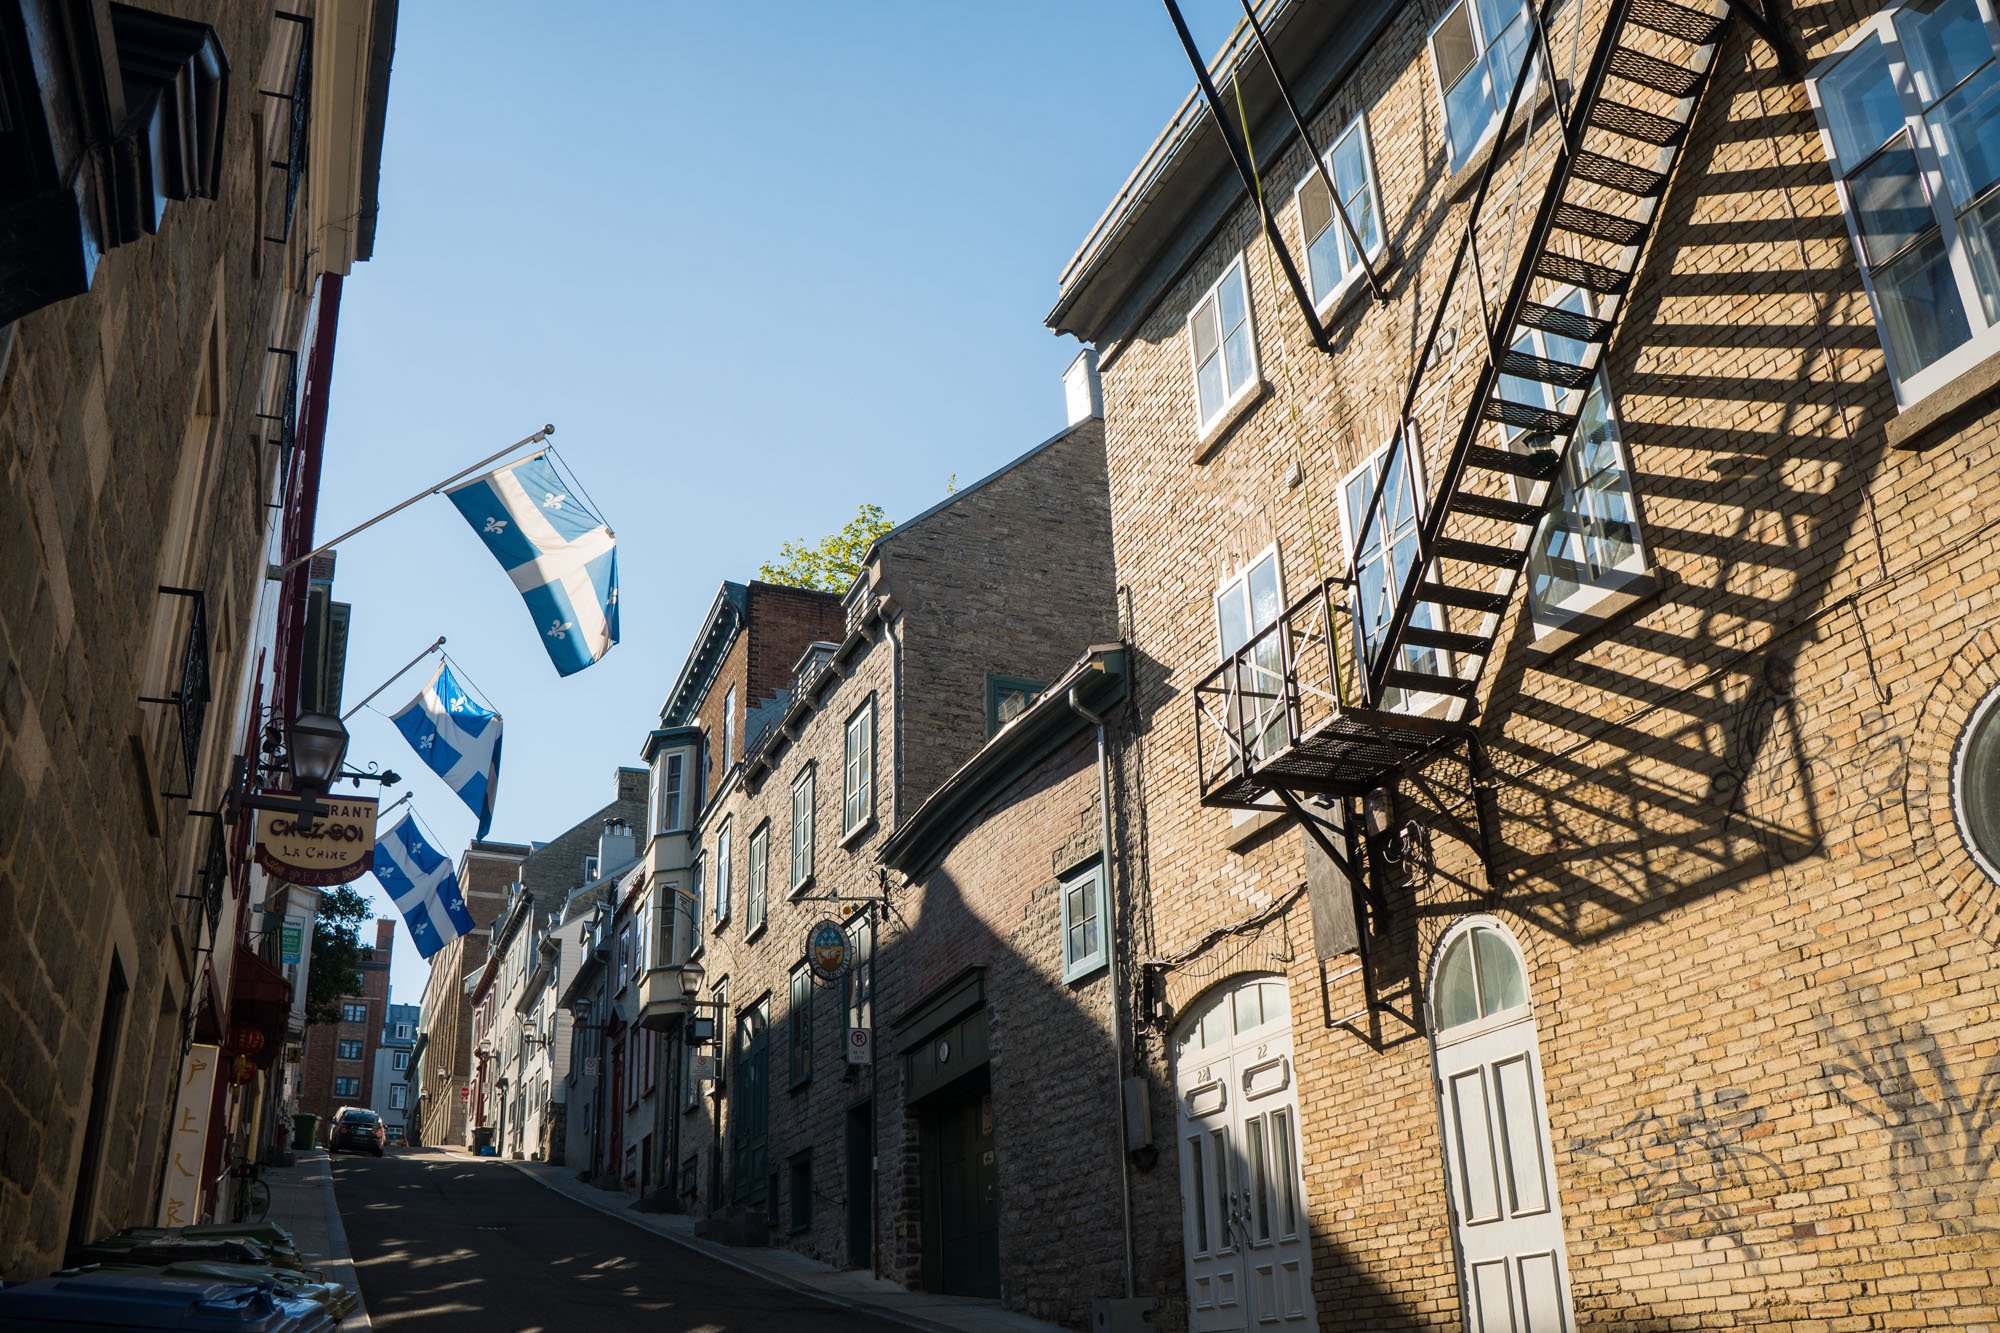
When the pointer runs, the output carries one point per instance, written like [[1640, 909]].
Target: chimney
[[615, 846], [1083, 392]]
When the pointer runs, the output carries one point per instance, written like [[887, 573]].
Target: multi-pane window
[[400, 1060], [720, 889], [803, 826], [349, 1050], [800, 1042], [729, 729], [1385, 544], [624, 956], [1911, 116], [1476, 49], [668, 777], [399, 1097], [1007, 697], [690, 911], [404, 1031], [347, 1087], [1223, 344], [1084, 926], [758, 893], [857, 782], [1245, 607], [1590, 536], [353, 1013], [1331, 259]]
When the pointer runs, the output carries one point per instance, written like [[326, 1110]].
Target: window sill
[[1075, 976], [858, 832], [1212, 437], [756, 932], [1244, 832], [1344, 297], [1921, 424], [793, 894], [1584, 624], [1463, 177], [799, 1083]]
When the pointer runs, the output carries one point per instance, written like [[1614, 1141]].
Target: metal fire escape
[[1375, 671]]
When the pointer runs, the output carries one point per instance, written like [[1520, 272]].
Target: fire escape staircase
[[1330, 699]]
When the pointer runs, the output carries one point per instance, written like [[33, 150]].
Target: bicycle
[[250, 1200]]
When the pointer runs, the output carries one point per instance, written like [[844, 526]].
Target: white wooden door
[[1244, 1226], [1506, 1216]]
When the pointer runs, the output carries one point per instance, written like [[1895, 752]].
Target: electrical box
[[1138, 1114]]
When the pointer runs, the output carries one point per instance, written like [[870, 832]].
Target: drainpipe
[[1116, 973]]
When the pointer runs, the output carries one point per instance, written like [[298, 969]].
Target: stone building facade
[[340, 1065], [1705, 945], [152, 259], [772, 1147], [442, 1058]]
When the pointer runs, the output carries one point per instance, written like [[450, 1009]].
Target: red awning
[[260, 998]]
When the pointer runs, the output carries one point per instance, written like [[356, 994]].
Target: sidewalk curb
[[720, 1253], [340, 1257]]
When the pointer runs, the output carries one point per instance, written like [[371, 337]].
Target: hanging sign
[[290, 940], [338, 848], [180, 1194], [860, 1045], [828, 950]]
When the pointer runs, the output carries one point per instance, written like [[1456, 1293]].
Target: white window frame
[[1485, 49], [729, 729], [857, 770], [757, 892], [353, 1088], [399, 1061], [1985, 339], [720, 883], [669, 780], [1237, 583], [691, 916], [1207, 421], [1077, 967], [805, 826], [1397, 700], [1324, 303]]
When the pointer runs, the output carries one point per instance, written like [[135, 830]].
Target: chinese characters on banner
[[180, 1200]]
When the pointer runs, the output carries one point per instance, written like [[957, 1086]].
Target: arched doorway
[[1506, 1216], [1243, 1211]]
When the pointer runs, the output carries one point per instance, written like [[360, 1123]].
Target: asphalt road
[[444, 1243]]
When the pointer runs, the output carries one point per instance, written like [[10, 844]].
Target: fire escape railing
[[191, 692], [299, 97]]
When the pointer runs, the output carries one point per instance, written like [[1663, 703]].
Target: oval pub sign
[[828, 950]]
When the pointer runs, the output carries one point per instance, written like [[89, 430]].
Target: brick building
[[772, 1129], [1664, 991], [441, 1062], [169, 303], [339, 1065]]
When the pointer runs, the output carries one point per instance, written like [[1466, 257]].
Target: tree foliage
[[337, 952], [831, 563]]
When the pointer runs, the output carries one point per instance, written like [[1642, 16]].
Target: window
[[1331, 260], [624, 957], [1588, 542], [1910, 113], [353, 1013], [857, 789], [721, 887], [695, 881], [1245, 607], [1084, 927], [349, 1049], [642, 937], [347, 1087], [800, 1191], [758, 893], [1007, 697], [729, 729], [1975, 785], [1388, 549], [1476, 50], [1479, 976], [589, 869], [399, 1097], [803, 827], [667, 780], [405, 1031], [400, 1061], [1223, 345], [800, 1040]]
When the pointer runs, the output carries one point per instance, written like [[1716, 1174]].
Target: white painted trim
[[1205, 422], [1335, 296]]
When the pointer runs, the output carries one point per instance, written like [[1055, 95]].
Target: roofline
[[964, 491], [732, 595]]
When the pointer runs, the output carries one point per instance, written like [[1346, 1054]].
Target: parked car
[[356, 1128]]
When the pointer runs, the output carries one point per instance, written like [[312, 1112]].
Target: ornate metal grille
[[191, 690], [300, 97]]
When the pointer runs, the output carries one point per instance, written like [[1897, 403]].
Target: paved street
[[441, 1242]]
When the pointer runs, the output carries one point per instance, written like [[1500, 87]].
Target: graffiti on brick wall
[[1696, 1172], [1940, 1116]]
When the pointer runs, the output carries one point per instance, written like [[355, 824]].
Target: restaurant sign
[[338, 848]]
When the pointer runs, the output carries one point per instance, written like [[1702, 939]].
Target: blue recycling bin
[[144, 1300]]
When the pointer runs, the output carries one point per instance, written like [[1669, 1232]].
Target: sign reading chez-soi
[[339, 848]]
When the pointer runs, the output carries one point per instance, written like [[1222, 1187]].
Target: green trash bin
[[305, 1128]]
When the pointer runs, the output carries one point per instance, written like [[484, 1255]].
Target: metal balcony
[[1285, 714]]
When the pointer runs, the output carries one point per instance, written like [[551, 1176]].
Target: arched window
[[1975, 784], [1479, 977]]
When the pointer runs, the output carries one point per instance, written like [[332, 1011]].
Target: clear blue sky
[[758, 264]]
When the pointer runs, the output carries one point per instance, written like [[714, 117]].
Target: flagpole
[[400, 672], [279, 571], [393, 804]]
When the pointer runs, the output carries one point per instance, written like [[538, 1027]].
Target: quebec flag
[[458, 739], [560, 555], [423, 885]]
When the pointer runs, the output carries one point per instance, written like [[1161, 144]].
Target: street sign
[[290, 938], [465, 1093], [829, 950], [860, 1045], [590, 1066]]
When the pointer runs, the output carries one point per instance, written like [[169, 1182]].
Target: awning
[[260, 998]]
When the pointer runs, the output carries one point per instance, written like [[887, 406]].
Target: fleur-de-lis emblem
[[427, 743], [611, 598], [553, 499], [559, 629], [496, 525]]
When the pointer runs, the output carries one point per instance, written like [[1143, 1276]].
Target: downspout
[[1116, 973]]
